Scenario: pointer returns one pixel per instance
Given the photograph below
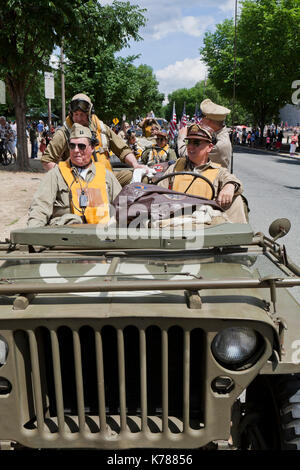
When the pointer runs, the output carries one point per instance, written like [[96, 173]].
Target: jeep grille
[[105, 382]]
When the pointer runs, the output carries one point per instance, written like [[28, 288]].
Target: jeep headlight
[[3, 351], [235, 347]]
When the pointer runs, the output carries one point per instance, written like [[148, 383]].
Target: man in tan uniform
[[213, 119], [77, 190], [81, 112], [228, 187]]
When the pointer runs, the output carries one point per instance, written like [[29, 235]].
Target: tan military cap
[[162, 133], [213, 111], [78, 131], [200, 133]]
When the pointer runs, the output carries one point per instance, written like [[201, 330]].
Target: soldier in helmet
[[213, 119], [81, 112]]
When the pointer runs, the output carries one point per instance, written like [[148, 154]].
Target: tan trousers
[[237, 211]]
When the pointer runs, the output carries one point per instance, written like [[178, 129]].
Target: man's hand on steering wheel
[[226, 194]]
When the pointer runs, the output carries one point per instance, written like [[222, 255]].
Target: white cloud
[[229, 5], [190, 25], [182, 74], [168, 16]]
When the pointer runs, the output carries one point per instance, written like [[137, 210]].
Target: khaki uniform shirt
[[58, 149], [223, 176], [221, 152], [51, 202]]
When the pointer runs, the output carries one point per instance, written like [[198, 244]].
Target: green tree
[[267, 56], [192, 98], [114, 84], [148, 96], [30, 30]]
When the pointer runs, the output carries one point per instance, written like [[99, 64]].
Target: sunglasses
[[73, 146], [196, 143], [160, 139], [81, 105]]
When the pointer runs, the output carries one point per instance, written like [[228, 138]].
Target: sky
[[173, 36]]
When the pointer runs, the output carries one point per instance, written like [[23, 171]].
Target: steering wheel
[[155, 147], [196, 175]]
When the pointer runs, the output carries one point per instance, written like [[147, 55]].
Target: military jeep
[[174, 341]]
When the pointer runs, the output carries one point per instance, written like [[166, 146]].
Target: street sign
[[2, 92], [115, 121], [49, 85]]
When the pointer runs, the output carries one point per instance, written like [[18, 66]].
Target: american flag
[[183, 118], [197, 115], [173, 123]]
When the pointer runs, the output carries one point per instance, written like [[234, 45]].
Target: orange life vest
[[160, 155], [199, 187], [97, 210]]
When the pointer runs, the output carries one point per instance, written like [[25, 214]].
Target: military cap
[[197, 132], [78, 131], [162, 133], [213, 111]]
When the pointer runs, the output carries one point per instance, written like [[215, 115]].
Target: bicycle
[[6, 158]]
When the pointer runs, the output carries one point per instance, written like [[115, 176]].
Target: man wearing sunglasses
[[81, 112], [213, 119], [199, 144], [77, 190], [160, 151]]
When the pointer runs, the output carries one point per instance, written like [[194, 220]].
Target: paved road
[[272, 187]]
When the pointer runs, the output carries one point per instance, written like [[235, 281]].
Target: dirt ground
[[16, 191]]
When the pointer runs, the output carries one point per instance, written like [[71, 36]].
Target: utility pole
[[49, 114], [63, 98], [234, 81]]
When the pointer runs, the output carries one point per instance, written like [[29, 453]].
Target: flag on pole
[[183, 118], [197, 115], [173, 123]]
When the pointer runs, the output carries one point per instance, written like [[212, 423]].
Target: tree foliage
[[30, 30], [267, 59], [192, 97], [114, 84]]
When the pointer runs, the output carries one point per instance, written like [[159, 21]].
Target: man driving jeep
[[228, 188]]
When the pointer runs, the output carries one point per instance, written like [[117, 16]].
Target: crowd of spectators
[[134, 133], [39, 135], [272, 138]]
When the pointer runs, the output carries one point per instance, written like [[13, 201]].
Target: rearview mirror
[[279, 228]]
